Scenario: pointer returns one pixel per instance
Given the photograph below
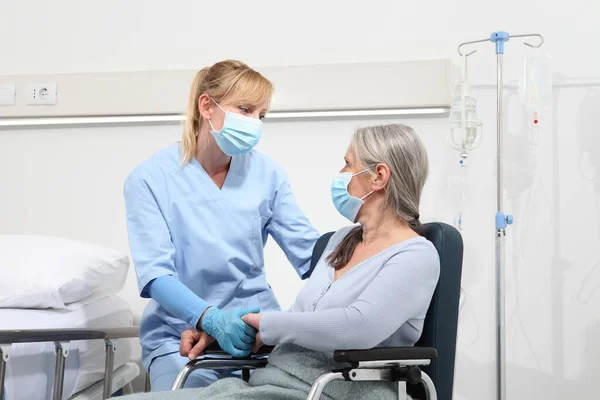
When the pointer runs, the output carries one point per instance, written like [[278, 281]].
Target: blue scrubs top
[[181, 224]]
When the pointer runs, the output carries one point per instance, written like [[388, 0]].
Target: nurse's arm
[[292, 230], [153, 253], [178, 300]]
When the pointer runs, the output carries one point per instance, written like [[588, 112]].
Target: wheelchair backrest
[[441, 321]]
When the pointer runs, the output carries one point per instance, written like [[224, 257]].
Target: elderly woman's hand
[[258, 344], [254, 321], [193, 343]]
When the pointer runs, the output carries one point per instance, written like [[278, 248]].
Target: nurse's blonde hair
[[227, 80]]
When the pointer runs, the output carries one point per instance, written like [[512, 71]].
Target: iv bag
[[535, 82], [588, 140], [465, 128]]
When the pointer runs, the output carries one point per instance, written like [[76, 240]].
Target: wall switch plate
[[43, 93], [7, 95]]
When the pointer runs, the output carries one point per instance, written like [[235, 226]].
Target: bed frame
[[61, 337]]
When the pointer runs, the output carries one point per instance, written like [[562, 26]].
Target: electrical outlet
[[41, 94]]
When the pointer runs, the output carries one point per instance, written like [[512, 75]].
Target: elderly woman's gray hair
[[400, 148]]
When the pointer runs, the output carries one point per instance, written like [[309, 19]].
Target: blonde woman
[[198, 216], [371, 288]]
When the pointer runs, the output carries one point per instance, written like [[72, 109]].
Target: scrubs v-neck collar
[[230, 180]]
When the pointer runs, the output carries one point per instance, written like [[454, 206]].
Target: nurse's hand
[[193, 343], [234, 335]]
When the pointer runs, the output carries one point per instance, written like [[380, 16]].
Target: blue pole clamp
[[499, 38], [503, 220]]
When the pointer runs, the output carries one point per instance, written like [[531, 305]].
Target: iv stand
[[502, 220]]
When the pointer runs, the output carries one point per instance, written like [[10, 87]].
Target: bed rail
[[61, 337]]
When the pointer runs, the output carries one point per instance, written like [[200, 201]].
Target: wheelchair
[[425, 371]]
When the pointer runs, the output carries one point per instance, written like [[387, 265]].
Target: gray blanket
[[288, 376]]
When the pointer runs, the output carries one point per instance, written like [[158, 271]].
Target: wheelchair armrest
[[219, 363], [386, 354], [252, 361], [215, 349]]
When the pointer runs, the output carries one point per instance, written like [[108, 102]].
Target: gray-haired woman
[[371, 288]]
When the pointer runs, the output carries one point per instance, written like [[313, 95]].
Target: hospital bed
[[60, 317], [425, 371], [81, 354]]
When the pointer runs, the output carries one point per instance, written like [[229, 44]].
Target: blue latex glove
[[234, 335]]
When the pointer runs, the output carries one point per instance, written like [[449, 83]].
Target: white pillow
[[52, 272]]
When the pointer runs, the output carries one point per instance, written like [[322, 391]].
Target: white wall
[[74, 36], [68, 181]]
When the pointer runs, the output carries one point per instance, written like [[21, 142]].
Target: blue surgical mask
[[346, 204], [238, 135]]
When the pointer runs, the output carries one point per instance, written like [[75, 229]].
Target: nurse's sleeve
[[153, 254], [291, 229], [150, 243]]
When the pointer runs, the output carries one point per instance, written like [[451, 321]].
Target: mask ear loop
[[211, 125], [361, 172], [217, 104], [366, 195], [372, 173]]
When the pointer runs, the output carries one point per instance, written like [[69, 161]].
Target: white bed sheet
[[122, 376], [30, 370]]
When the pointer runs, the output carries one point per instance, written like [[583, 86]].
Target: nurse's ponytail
[[228, 80], [192, 121]]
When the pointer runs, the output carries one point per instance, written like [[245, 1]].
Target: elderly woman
[[371, 288]]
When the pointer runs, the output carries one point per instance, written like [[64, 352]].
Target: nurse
[[198, 216]]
